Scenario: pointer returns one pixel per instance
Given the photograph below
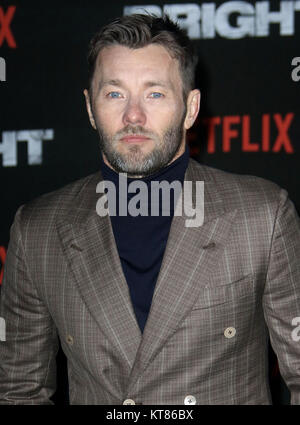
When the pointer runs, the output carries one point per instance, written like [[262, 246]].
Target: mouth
[[134, 138]]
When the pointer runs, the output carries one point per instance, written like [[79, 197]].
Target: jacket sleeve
[[28, 355], [281, 299]]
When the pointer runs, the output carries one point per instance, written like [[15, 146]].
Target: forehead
[[126, 64]]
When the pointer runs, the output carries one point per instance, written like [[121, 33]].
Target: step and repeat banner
[[248, 74]]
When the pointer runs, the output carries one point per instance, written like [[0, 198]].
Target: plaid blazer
[[223, 289]]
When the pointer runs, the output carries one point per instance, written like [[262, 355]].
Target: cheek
[[162, 116], [108, 118], [172, 118]]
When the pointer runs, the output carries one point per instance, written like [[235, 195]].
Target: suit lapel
[[190, 255], [89, 245]]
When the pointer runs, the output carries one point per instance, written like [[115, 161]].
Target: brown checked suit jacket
[[223, 289]]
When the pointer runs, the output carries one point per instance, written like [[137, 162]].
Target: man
[[149, 310]]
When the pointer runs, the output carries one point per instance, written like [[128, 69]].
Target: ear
[[89, 108], [193, 107]]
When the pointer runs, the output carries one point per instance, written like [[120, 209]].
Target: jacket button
[[69, 339], [230, 332], [128, 401], [189, 400]]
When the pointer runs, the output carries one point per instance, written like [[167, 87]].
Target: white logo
[[296, 331], [34, 138], [232, 19], [2, 329], [138, 204], [296, 71], [2, 69]]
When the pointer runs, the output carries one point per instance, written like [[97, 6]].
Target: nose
[[134, 114]]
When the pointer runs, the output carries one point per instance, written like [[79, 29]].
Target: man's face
[[138, 109]]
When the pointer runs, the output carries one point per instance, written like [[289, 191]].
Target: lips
[[134, 138]]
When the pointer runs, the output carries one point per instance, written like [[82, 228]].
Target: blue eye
[[114, 94], [156, 95]]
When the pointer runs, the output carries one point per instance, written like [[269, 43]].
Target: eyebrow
[[157, 83], [109, 83], [118, 83]]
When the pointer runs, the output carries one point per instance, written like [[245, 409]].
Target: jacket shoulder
[[60, 201], [234, 188]]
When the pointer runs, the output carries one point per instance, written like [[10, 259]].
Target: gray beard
[[134, 163]]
